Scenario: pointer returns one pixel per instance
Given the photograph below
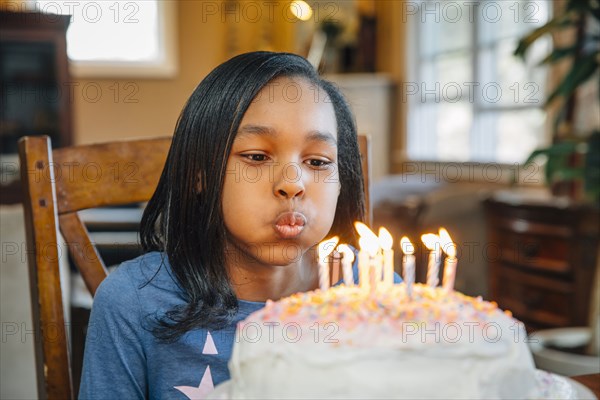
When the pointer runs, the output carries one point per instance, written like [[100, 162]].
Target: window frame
[[473, 169], [164, 66]]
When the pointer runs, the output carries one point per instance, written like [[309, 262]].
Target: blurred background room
[[484, 118]]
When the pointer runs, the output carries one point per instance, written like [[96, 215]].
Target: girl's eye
[[256, 157], [318, 163]]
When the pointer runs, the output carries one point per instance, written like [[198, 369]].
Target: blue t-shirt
[[123, 359]]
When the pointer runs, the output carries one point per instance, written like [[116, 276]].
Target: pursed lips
[[289, 224]]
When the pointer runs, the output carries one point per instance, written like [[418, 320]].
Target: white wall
[[17, 368]]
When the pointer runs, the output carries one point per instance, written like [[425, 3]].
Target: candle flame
[[385, 239], [431, 241], [346, 251], [448, 246], [364, 231], [406, 246], [369, 245], [326, 247]]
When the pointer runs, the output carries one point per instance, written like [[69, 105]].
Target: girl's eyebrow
[[260, 130], [325, 137]]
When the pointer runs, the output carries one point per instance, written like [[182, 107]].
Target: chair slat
[[84, 252], [108, 174], [364, 145], [51, 349]]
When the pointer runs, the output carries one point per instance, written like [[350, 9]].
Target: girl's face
[[282, 184]]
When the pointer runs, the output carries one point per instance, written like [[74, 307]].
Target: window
[[469, 99], [119, 38]]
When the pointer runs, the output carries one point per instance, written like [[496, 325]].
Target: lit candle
[[363, 263], [347, 260], [376, 269], [367, 256], [432, 242], [408, 267], [366, 260], [325, 249], [386, 242], [335, 267], [451, 261]]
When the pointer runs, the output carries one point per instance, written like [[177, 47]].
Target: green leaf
[[561, 115], [554, 165], [555, 23], [581, 6], [579, 73], [569, 174], [534, 154], [558, 54], [566, 147], [592, 166], [584, 7], [558, 158]]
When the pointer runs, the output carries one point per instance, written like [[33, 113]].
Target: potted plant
[[572, 156]]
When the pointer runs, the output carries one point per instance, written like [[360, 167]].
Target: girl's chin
[[272, 250]]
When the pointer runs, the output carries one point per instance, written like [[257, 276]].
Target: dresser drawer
[[535, 251], [533, 298]]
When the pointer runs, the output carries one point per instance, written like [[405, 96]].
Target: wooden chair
[[57, 184]]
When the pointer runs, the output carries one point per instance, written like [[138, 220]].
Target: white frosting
[[347, 343]]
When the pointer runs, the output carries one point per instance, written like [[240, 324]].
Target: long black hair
[[187, 223]]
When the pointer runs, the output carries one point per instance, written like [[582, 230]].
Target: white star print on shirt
[[209, 345], [198, 393]]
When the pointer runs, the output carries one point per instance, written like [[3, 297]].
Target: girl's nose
[[290, 184]]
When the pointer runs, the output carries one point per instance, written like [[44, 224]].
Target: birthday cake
[[347, 342]]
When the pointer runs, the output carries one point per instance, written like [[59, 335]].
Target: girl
[[264, 165]]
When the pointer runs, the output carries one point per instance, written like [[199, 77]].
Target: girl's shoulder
[[148, 266], [142, 278]]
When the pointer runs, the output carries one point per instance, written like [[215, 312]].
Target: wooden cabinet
[[542, 255], [35, 88]]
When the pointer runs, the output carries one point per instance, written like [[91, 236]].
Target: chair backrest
[[57, 184]]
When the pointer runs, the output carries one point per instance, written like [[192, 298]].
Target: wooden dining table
[[591, 381]]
